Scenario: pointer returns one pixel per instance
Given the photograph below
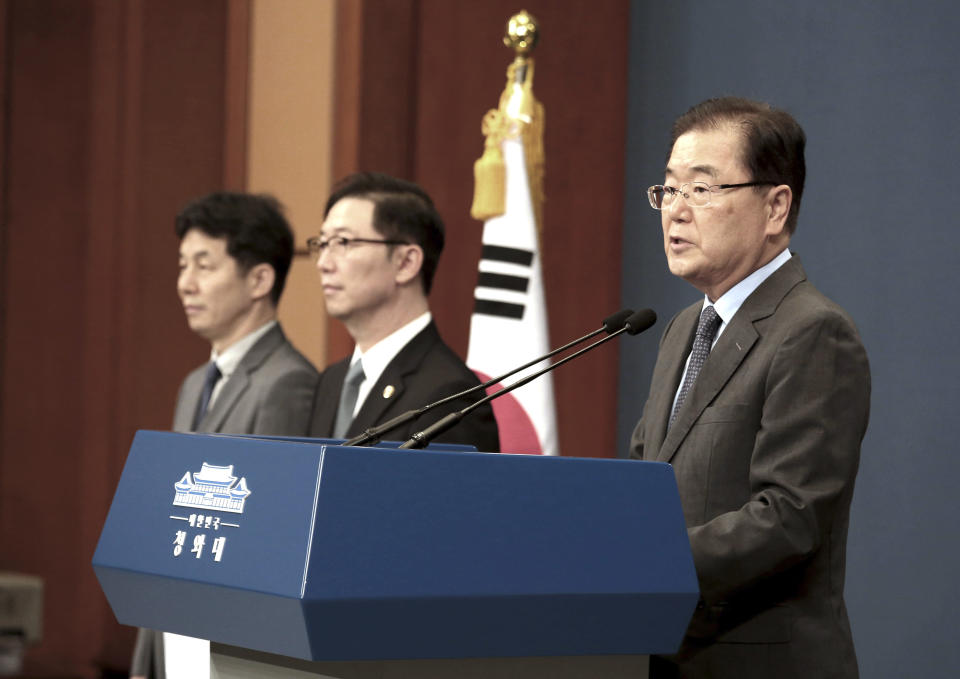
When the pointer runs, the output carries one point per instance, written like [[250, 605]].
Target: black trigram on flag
[[490, 283]]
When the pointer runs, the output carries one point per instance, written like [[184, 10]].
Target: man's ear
[[779, 200], [260, 279], [409, 260]]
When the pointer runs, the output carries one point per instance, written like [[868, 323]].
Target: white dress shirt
[[376, 359], [228, 361], [730, 302]]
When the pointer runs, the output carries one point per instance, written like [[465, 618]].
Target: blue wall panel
[[875, 87]]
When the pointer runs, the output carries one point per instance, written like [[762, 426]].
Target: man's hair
[[402, 211], [773, 141], [253, 225]]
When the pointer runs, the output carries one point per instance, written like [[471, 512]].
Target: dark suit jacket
[[270, 392], [765, 452], [424, 371]]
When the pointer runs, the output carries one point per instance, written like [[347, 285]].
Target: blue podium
[[315, 557]]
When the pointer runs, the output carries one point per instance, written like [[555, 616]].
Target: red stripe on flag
[[517, 433]]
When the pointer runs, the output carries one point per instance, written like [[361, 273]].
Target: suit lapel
[[732, 347], [678, 341], [188, 401], [382, 395], [239, 381], [328, 399], [729, 352], [392, 383]]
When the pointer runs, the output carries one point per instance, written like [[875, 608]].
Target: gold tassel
[[489, 173]]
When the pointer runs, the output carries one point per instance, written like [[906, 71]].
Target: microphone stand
[[612, 323], [635, 323]]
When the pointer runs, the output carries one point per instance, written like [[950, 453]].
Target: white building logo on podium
[[213, 487]]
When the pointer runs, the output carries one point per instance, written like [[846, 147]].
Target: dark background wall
[[875, 87]]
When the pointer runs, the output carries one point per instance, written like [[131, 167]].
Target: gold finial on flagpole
[[522, 33], [518, 115]]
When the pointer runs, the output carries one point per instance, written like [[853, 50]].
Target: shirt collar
[[730, 302], [378, 357], [230, 358]]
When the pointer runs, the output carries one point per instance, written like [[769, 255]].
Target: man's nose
[[324, 260], [678, 210], [186, 281]]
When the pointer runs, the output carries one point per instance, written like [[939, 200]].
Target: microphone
[[634, 324], [610, 324]]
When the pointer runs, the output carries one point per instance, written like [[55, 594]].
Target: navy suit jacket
[[424, 371]]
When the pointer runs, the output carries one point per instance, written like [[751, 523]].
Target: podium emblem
[[213, 487]]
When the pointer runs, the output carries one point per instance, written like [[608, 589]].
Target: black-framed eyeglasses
[[696, 194], [338, 245]]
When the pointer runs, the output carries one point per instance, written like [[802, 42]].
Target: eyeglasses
[[338, 245], [695, 194]]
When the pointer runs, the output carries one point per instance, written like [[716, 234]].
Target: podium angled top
[[314, 550]]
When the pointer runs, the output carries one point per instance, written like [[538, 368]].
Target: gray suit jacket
[[765, 451], [271, 393]]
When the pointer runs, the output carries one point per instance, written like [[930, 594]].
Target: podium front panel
[[317, 551]]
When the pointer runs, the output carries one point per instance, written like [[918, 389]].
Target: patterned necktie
[[706, 331], [209, 382], [348, 399]]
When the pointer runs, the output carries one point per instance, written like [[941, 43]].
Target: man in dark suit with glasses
[[377, 254]]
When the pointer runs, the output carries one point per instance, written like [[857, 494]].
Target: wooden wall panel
[[4, 177], [377, 57], [100, 442], [289, 143], [236, 86], [117, 115], [44, 299], [377, 54]]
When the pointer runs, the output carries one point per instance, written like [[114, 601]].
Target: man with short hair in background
[[377, 254], [235, 252], [759, 399]]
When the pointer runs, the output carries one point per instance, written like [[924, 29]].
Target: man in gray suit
[[235, 252], [759, 399]]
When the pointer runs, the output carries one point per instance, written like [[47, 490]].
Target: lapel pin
[[388, 391]]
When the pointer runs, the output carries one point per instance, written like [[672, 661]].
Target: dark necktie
[[706, 332], [209, 382], [348, 399]]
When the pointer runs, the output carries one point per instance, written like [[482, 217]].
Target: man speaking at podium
[[235, 252], [377, 253], [759, 399]]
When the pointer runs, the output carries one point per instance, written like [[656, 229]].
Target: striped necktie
[[706, 332]]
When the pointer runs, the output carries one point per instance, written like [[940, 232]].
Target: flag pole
[[509, 320], [519, 115]]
